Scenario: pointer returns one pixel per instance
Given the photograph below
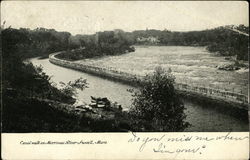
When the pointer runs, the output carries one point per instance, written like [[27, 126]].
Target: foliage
[[21, 115], [23, 78], [22, 84], [27, 91], [33, 43], [42, 41], [69, 89], [221, 39], [100, 44], [230, 43], [157, 106]]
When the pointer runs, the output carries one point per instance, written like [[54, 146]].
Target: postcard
[[125, 80]]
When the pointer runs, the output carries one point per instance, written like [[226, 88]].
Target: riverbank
[[216, 96], [46, 115]]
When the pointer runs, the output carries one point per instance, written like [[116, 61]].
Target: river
[[202, 118], [192, 65]]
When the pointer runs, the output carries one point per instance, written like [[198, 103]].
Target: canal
[[202, 118]]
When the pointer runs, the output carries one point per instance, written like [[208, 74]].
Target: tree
[[156, 105], [70, 88]]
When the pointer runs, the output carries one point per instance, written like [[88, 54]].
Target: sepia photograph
[[124, 80], [124, 66]]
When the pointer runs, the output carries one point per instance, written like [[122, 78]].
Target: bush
[[156, 105], [69, 89]]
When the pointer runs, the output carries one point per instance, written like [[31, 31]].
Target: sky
[[88, 17]]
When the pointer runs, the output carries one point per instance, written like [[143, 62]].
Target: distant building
[[150, 39]]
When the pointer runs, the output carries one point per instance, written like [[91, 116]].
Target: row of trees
[[38, 42], [102, 43], [225, 40], [41, 41]]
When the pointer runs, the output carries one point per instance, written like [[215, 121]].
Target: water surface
[[202, 118], [193, 65]]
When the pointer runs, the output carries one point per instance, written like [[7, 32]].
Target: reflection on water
[[201, 118]]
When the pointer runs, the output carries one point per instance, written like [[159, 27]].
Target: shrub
[[156, 105], [69, 89]]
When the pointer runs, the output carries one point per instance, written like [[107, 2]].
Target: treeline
[[221, 39], [42, 42], [102, 43], [37, 42]]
